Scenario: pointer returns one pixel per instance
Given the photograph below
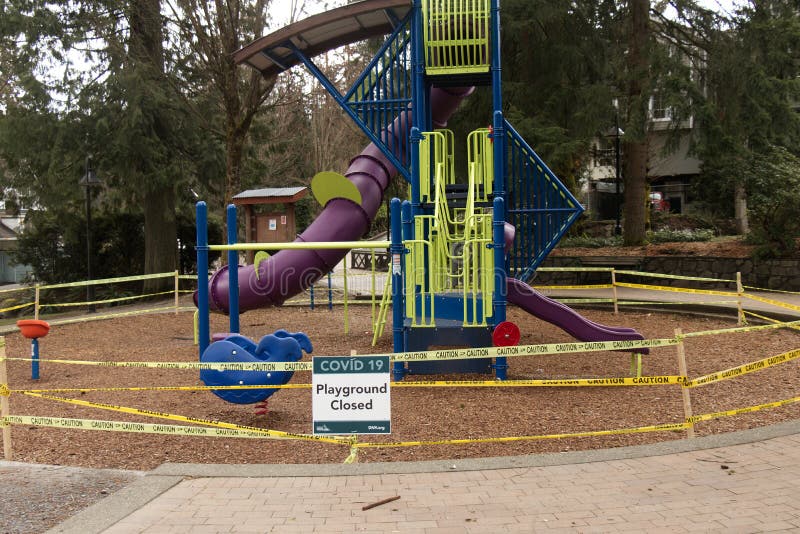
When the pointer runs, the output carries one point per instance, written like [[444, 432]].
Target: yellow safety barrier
[[18, 307], [773, 302], [668, 427], [678, 289], [739, 411], [595, 286], [277, 434], [744, 369], [106, 301], [673, 276], [110, 280]]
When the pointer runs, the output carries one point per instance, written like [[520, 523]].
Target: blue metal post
[[34, 359], [233, 272], [499, 302], [202, 277], [330, 293], [396, 250], [416, 137], [311, 295]]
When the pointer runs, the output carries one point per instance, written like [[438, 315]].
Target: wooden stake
[[36, 304], [5, 409], [383, 501], [739, 292], [177, 290], [614, 290], [687, 400]]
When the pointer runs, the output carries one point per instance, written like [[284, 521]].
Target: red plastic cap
[[33, 328], [506, 334]]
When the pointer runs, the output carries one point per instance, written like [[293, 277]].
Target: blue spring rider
[[282, 346]]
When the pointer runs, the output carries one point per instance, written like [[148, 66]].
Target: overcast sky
[[282, 9]]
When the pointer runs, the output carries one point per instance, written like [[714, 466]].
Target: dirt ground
[[417, 413]]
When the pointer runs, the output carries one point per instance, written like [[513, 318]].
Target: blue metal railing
[[539, 206]]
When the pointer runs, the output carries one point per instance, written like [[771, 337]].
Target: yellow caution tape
[[120, 314], [240, 366], [574, 269], [18, 307], [110, 280], [741, 329], [678, 289], [770, 319], [144, 428], [772, 290], [773, 302], [12, 290], [613, 381], [674, 276], [588, 286], [560, 382], [744, 369], [432, 355], [159, 388], [277, 434], [669, 427], [106, 301], [739, 411]]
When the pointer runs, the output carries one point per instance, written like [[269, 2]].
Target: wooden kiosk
[[273, 224]]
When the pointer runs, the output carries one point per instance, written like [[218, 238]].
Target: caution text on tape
[[744, 369]]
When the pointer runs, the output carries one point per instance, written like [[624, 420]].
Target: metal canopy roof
[[270, 195], [354, 22]]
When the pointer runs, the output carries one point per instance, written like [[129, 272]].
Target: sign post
[[351, 395]]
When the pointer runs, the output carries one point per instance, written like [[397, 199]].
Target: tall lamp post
[[89, 181], [617, 133]]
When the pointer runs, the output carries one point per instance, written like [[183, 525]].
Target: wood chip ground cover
[[418, 413]]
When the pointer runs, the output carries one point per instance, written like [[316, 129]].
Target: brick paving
[[750, 487]]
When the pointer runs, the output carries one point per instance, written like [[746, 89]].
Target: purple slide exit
[[289, 272], [566, 318]]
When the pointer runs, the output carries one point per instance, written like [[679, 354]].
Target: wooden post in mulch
[[614, 290], [687, 400], [177, 290], [739, 292], [5, 409]]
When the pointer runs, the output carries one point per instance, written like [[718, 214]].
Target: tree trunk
[[636, 153], [147, 60], [740, 209], [160, 237]]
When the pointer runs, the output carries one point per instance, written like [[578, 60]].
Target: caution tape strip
[[110, 280], [144, 428], [588, 286], [277, 434], [771, 290], [239, 431], [120, 314], [741, 329], [739, 411], [669, 427], [18, 307], [769, 319], [777, 303], [433, 355], [560, 382], [678, 289], [575, 269], [106, 301], [613, 381], [673, 276], [744, 369]]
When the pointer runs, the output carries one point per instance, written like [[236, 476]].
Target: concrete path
[[739, 482]]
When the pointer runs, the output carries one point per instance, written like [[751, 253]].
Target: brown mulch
[[418, 413]]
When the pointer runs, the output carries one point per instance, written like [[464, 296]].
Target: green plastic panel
[[456, 34]]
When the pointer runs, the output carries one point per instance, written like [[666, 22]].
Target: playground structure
[[458, 239]]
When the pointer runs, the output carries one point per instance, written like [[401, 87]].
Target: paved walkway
[[739, 482]]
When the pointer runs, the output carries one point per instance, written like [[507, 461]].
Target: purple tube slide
[[289, 272], [566, 318]]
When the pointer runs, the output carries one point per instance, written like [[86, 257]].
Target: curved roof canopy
[[354, 22]]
